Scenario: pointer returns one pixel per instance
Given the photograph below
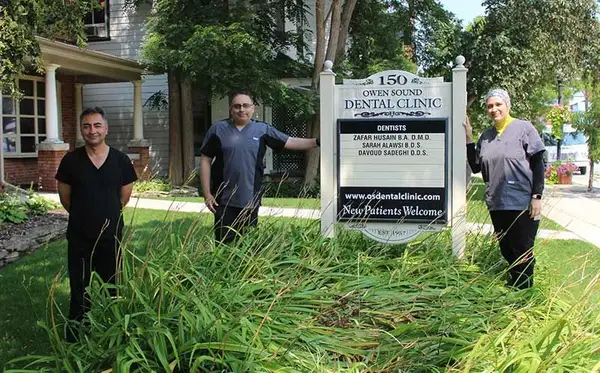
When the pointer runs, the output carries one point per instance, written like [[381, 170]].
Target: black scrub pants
[[516, 232], [231, 221], [85, 256]]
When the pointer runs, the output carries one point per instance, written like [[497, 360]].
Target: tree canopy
[[222, 46], [22, 20], [524, 45]]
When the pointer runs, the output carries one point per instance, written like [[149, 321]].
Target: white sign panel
[[410, 96]]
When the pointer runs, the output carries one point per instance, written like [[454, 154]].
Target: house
[[40, 129], [43, 127]]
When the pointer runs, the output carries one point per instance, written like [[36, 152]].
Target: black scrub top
[[95, 193]]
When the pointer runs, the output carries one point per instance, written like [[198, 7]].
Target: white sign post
[[393, 155]]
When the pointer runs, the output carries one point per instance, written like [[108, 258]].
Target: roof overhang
[[87, 62]]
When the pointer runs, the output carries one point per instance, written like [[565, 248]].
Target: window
[[96, 22], [573, 138], [548, 139], [24, 122], [569, 138]]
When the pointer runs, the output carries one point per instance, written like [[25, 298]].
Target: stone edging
[[21, 245]]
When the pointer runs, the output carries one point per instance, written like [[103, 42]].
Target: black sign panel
[[410, 205], [374, 126]]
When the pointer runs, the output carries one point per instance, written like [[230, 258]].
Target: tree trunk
[[340, 54], [470, 101], [334, 30], [175, 161], [187, 131], [590, 187], [320, 48], [313, 156], [312, 127], [412, 20], [338, 34]]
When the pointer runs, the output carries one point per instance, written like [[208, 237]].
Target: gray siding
[[127, 30], [117, 101], [127, 33]]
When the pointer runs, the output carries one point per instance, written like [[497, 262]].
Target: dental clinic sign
[[395, 144]]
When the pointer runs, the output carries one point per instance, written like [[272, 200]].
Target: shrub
[[557, 169], [153, 185], [15, 208], [551, 175], [12, 209], [285, 299], [38, 205], [558, 115], [291, 189]]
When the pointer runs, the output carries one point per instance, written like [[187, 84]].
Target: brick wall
[[69, 120], [21, 171], [25, 171], [48, 162]]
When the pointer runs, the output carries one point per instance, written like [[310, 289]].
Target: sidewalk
[[174, 205], [575, 209]]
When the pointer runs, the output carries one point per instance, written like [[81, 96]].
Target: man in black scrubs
[[94, 184]]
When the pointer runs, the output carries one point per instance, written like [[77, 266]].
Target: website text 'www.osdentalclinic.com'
[[406, 196]]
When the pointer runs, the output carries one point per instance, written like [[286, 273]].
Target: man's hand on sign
[[468, 130], [210, 202]]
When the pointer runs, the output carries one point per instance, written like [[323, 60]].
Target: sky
[[464, 9]]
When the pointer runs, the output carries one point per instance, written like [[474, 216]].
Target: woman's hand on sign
[[468, 130]]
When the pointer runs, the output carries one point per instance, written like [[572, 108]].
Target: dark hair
[[91, 111], [234, 94]]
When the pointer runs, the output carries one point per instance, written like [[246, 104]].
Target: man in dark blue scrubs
[[231, 165], [94, 184]]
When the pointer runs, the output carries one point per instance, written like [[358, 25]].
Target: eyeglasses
[[240, 106]]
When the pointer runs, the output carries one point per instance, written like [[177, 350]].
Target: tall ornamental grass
[[283, 299]]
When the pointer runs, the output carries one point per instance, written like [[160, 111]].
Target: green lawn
[[476, 212], [25, 284], [294, 203], [23, 300]]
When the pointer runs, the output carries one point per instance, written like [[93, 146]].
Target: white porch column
[[51, 101], [78, 111], [138, 120], [138, 148]]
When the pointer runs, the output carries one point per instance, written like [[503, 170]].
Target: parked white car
[[573, 148]]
